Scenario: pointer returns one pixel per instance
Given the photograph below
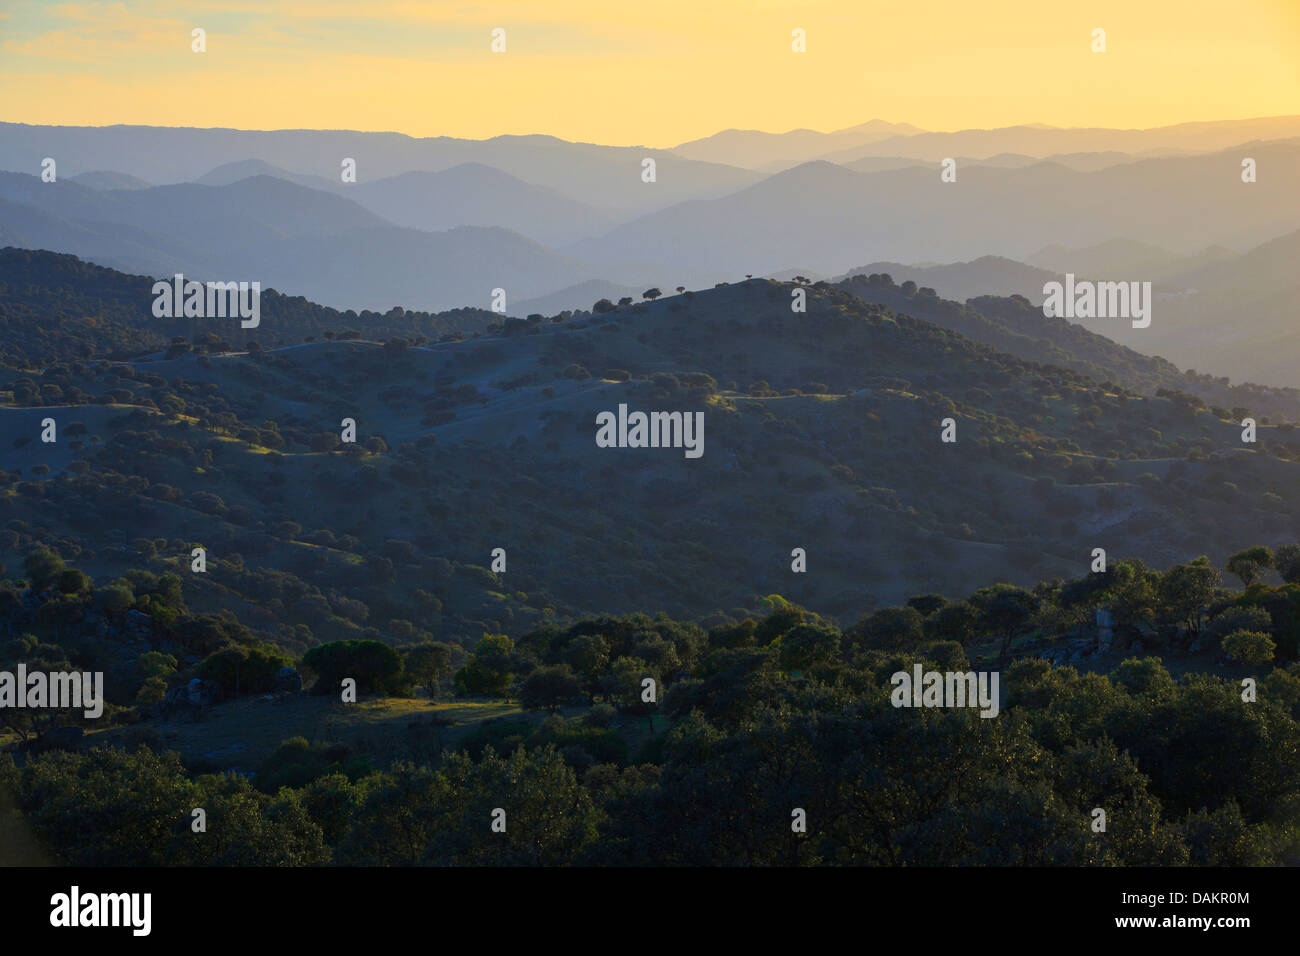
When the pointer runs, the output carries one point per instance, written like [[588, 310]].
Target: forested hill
[[1012, 324], [823, 431], [872, 492], [56, 307]]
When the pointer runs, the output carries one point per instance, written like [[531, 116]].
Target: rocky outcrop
[[190, 699]]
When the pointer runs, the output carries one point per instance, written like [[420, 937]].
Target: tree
[[588, 655], [1252, 648], [1250, 564], [1130, 587], [426, 664], [375, 666], [1186, 589], [1238, 618], [488, 672], [547, 688], [892, 629], [42, 567], [808, 644], [925, 604], [244, 670], [651, 294], [1007, 611], [955, 622], [624, 687], [37, 656], [72, 581], [417, 816], [1286, 560], [108, 807]]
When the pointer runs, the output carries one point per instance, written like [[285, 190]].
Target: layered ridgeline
[[437, 234], [303, 241], [818, 430], [1015, 325], [1217, 310], [56, 308]]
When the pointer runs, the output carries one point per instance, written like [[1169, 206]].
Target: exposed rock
[[190, 698]]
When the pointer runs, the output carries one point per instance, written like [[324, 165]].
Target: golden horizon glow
[[655, 74]]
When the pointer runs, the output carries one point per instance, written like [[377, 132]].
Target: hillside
[[466, 446], [1014, 324], [822, 432], [1233, 315], [987, 275], [56, 308]]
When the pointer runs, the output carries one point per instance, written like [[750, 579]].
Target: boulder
[[191, 697]]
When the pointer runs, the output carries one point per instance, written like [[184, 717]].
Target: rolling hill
[[488, 441]]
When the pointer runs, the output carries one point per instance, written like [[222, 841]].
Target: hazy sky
[[655, 72]]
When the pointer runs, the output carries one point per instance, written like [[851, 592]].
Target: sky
[[645, 72]]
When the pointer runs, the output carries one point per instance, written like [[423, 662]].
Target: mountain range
[[434, 224]]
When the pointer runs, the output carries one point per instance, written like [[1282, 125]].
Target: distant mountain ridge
[[754, 149], [607, 177], [100, 179], [299, 240], [836, 218], [1040, 140], [470, 194]]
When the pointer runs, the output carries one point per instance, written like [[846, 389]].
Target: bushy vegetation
[[200, 525], [758, 715]]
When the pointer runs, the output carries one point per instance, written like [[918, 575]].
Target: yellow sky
[[656, 72]]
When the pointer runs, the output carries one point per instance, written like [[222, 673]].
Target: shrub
[[1252, 648], [243, 669], [375, 666]]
